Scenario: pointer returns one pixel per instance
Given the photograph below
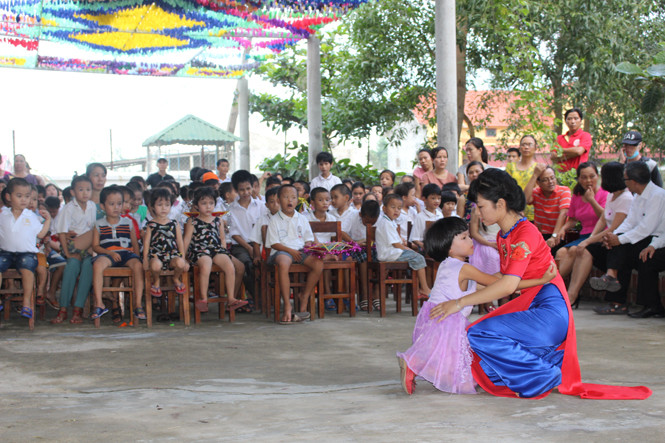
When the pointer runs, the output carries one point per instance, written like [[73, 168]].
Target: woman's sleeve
[[424, 180], [575, 201]]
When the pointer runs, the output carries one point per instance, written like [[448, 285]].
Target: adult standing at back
[[425, 164], [157, 177], [22, 170], [575, 144], [4, 174], [223, 170], [439, 175], [475, 152], [631, 147], [522, 169]]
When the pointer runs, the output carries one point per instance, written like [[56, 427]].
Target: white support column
[[243, 114], [314, 119], [446, 80]]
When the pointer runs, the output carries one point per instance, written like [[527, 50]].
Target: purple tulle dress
[[440, 352], [486, 258]]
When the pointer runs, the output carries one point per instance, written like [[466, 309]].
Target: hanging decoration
[[197, 38]]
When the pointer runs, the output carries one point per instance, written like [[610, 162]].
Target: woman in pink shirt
[[426, 164], [586, 206]]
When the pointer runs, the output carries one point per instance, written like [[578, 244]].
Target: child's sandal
[[39, 301], [140, 313], [26, 312], [62, 316], [98, 312], [155, 291], [180, 289], [116, 315]]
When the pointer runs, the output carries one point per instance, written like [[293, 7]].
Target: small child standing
[[75, 222], [163, 244], [115, 242], [19, 230], [256, 237], [205, 245], [391, 247], [288, 233], [440, 352], [324, 160], [432, 199]]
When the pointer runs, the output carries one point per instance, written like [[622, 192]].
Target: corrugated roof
[[191, 130]]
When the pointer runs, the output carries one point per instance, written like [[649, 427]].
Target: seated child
[[340, 196], [440, 353], [139, 209], [75, 222], [205, 244], [256, 189], [56, 263], [303, 195], [432, 195], [357, 194], [19, 230], [115, 242], [320, 200], [461, 199], [408, 193], [391, 247], [356, 231], [377, 191], [256, 237], [448, 204], [288, 233]]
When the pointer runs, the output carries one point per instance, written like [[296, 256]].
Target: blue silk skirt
[[519, 350]]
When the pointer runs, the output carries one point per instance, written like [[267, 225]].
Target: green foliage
[[296, 164], [568, 178], [652, 78]]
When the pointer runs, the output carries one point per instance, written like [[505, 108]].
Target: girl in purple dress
[[440, 352]]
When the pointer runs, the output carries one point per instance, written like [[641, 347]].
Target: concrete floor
[[329, 380]]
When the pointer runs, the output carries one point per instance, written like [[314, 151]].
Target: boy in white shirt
[[243, 214], [19, 230], [256, 237], [288, 233], [408, 193], [324, 160], [432, 200], [341, 201], [357, 232], [320, 203], [391, 247]]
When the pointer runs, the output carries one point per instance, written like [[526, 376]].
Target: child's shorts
[[55, 260], [18, 261], [303, 257], [361, 256], [415, 260], [125, 256]]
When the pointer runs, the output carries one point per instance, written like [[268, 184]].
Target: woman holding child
[[526, 347]]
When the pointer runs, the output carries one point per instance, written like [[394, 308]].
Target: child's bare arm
[[244, 244], [189, 230], [346, 237], [46, 225], [257, 253], [146, 246], [135, 242], [400, 246]]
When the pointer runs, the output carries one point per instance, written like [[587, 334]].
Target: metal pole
[[14, 143], [111, 145], [243, 114], [446, 80], [202, 158], [314, 119]]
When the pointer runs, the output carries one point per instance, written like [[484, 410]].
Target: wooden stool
[[219, 279], [168, 287], [128, 274], [16, 295]]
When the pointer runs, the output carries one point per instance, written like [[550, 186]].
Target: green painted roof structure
[[191, 130]]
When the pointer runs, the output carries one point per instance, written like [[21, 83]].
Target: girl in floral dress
[[205, 245]]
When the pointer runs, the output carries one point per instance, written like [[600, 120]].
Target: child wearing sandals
[[205, 245], [19, 230], [164, 247], [75, 222], [115, 242], [440, 352]]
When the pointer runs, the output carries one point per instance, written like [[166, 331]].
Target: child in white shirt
[[324, 160], [256, 237], [19, 230], [320, 203], [288, 233], [432, 195], [341, 201], [391, 247], [408, 193]]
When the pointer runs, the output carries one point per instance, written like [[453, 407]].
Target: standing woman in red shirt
[[526, 347], [575, 143]]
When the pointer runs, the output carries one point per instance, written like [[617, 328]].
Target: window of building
[[490, 132]]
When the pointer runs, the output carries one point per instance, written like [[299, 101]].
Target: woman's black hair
[[578, 189], [203, 192], [571, 110], [357, 185], [425, 150], [91, 167], [439, 237], [161, 194], [478, 143], [389, 172], [495, 184], [611, 177]]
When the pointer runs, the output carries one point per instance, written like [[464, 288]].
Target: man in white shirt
[[643, 227], [324, 160]]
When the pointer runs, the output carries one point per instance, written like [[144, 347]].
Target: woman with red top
[[575, 143], [526, 347]]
